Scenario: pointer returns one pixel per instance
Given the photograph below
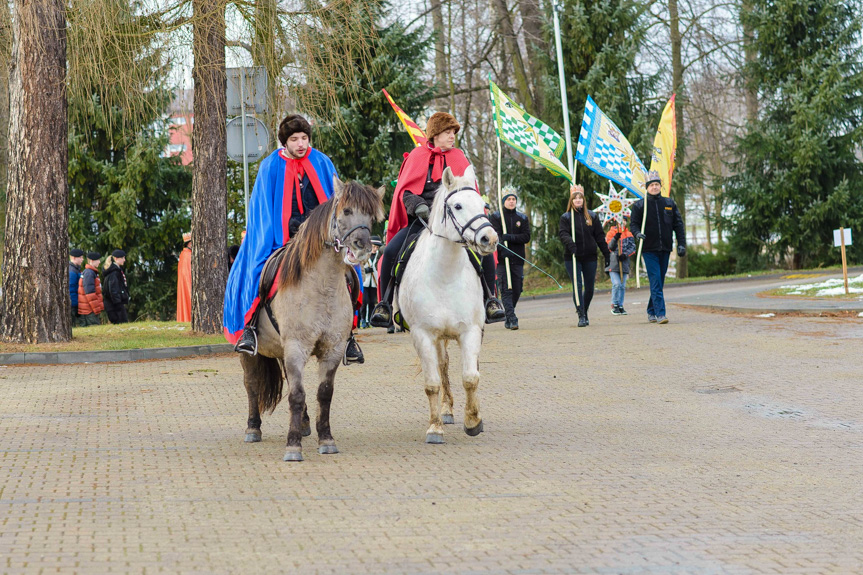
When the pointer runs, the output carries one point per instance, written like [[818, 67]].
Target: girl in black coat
[[588, 237]]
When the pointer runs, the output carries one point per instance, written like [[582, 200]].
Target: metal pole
[[245, 157]]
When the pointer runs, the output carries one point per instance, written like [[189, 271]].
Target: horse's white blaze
[[441, 297]]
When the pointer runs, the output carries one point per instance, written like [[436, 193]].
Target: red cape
[[412, 178]]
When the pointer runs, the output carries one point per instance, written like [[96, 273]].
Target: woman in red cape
[[418, 182]]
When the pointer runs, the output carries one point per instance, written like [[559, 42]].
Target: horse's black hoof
[[447, 418], [474, 431], [293, 456], [253, 437], [307, 430], [327, 449], [435, 438]]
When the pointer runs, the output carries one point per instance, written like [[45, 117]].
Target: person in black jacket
[[663, 217], [115, 293], [516, 236], [588, 237]]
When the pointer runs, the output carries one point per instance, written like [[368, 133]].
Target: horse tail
[[270, 384]]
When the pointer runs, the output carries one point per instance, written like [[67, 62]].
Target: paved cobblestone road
[[714, 444]]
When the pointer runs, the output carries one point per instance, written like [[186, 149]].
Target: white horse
[[441, 297]]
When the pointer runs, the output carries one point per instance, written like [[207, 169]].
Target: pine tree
[[798, 178]]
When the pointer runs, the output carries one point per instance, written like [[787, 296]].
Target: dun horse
[[441, 298], [312, 313]]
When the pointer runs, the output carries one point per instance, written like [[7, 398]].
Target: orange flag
[[417, 135], [665, 147]]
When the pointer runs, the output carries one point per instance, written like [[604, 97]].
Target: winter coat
[[370, 271], [518, 234], [588, 238], [74, 276], [116, 293], [663, 217], [413, 200], [90, 292], [619, 258]]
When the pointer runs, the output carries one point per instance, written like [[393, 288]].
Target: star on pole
[[615, 206]]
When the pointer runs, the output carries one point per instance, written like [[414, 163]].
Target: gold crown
[[187, 237]]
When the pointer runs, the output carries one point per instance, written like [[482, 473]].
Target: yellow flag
[[665, 147]]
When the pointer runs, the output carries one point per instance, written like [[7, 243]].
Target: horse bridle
[[469, 224], [340, 243]]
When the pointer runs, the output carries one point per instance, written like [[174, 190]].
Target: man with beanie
[[116, 292], [76, 258], [90, 292], [660, 218], [512, 239], [291, 182]]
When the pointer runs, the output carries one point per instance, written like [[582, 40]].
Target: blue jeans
[[618, 287], [656, 264]]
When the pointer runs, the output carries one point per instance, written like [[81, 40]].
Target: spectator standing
[[660, 218], [184, 280], [588, 238], [76, 258], [517, 234], [370, 283], [621, 244], [116, 292], [232, 255], [90, 292]]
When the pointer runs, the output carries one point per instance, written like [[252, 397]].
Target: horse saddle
[[272, 267]]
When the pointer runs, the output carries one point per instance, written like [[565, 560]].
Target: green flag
[[527, 134]]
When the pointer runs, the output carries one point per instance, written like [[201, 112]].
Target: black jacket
[[663, 217], [587, 238], [115, 294], [414, 199], [310, 202], [518, 234]]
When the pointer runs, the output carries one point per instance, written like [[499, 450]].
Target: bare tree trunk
[[209, 174], [35, 305], [5, 59], [677, 88], [513, 52], [749, 56], [264, 54], [440, 66], [537, 47]]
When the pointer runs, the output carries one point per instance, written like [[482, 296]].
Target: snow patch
[[766, 315], [828, 288]]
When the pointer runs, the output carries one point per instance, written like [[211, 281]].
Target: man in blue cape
[[291, 182]]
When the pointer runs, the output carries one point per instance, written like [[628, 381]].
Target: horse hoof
[[436, 438], [307, 430], [474, 431], [293, 456], [253, 437], [447, 418], [327, 449]]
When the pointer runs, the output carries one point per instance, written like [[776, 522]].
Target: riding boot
[[582, 319], [382, 315], [494, 311], [353, 353], [248, 342]]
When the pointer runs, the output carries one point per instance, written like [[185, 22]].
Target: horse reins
[[459, 228], [340, 243]]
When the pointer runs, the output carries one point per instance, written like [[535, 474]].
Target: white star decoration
[[615, 206]]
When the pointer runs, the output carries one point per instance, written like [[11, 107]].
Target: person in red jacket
[[90, 303]]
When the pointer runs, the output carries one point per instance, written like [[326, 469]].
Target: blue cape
[[264, 235]]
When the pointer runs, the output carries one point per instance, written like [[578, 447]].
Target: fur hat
[[291, 125], [118, 254], [652, 176], [94, 256], [76, 253], [187, 237], [439, 123]]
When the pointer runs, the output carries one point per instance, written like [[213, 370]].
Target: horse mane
[[307, 246]]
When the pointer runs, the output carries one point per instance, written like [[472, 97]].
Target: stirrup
[[494, 311], [356, 356], [382, 315], [246, 346]]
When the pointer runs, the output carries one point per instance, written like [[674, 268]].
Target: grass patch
[[137, 335]]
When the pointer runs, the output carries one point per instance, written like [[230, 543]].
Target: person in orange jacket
[[621, 244], [184, 281], [90, 303]]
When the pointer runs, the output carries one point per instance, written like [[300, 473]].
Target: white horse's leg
[[445, 391], [427, 349], [295, 361], [471, 342]]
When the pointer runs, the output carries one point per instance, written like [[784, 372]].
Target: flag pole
[[502, 219], [557, 7]]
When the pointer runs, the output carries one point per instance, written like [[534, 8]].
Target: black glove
[[617, 236], [422, 212], [607, 263], [640, 236], [294, 226], [681, 251]]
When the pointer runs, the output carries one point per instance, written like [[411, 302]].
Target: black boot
[[382, 315], [353, 353], [248, 342], [581, 318], [494, 311], [513, 323], [586, 320]]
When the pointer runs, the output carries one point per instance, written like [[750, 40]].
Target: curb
[[832, 311], [111, 356]]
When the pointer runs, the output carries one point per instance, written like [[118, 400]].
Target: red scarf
[[295, 169], [413, 175]]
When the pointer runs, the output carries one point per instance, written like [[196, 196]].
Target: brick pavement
[[715, 444]]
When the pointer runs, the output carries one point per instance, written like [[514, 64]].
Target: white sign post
[[247, 89], [842, 238]]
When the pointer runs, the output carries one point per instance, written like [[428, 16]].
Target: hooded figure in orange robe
[[184, 281]]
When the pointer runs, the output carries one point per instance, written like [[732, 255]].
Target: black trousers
[[510, 296], [118, 315], [370, 299], [586, 272]]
